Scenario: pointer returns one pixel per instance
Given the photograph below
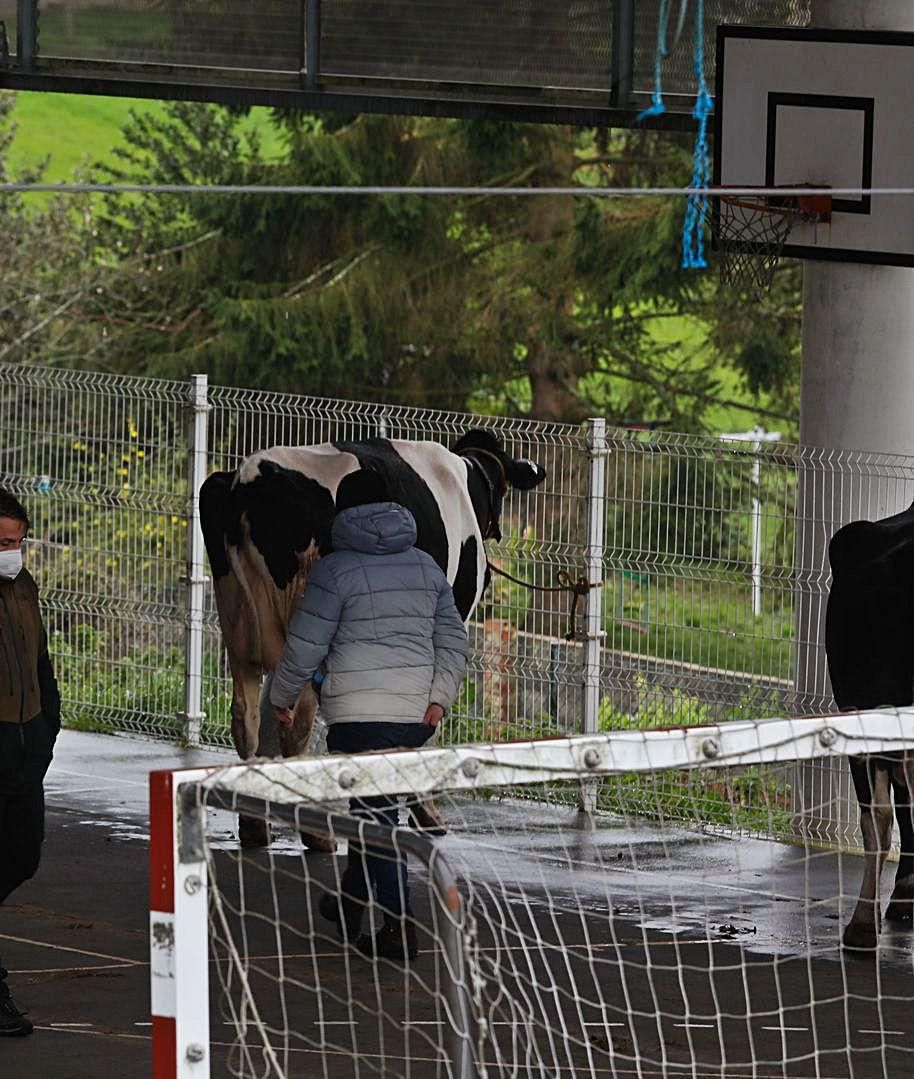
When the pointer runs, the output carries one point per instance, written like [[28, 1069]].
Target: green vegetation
[[686, 614], [71, 132], [553, 307], [143, 691]]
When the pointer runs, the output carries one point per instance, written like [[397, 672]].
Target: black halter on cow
[[869, 643], [266, 523]]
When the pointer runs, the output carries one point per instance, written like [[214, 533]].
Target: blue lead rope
[[693, 242], [657, 107]]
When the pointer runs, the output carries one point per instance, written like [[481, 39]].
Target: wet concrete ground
[[661, 939]]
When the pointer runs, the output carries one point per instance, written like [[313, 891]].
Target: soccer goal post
[[682, 927]]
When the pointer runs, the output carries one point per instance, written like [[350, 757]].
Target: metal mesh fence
[[101, 464], [8, 18], [546, 45], [708, 561], [678, 67]]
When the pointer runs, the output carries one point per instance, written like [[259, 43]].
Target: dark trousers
[[369, 868], [25, 755]]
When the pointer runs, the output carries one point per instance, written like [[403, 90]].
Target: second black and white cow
[[266, 523], [869, 643]]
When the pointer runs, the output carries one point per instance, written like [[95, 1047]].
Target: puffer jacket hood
[[375, 528]]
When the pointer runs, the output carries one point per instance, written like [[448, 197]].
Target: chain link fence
[[703, 562]]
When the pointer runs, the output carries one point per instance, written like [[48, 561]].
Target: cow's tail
[[220, 522], [218, 519], [241, 576]]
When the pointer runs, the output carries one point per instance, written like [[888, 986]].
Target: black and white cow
[[266, 523], [869, 643]]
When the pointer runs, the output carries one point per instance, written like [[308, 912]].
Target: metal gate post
[[312, 44], [193, 714], [26, 34], [593, 616]]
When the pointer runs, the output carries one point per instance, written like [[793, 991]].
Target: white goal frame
[[179, 930]]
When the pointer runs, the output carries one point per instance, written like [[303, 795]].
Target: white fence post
[[593, 611], [756, 436], [193, 714]]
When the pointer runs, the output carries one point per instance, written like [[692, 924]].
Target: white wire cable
[[406, 189]]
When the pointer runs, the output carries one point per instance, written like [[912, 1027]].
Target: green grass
[[706, 622], [93, 31], [72, 131]]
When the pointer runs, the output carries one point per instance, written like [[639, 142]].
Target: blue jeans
[[375, 868]]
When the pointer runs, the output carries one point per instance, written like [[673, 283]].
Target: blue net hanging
[[693, 247]]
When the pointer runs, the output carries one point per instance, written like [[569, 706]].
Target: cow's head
[[495, 472]]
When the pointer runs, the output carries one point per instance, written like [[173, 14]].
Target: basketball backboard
[[827, 108]]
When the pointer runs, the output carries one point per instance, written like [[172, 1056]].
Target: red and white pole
[[178, 938]]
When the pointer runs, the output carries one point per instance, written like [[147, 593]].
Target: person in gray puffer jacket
[[377, 620]]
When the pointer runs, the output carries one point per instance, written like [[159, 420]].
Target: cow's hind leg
[[294, 741], [901, 905], [425, 814], [252, 831], [872, 783], [245, 706]]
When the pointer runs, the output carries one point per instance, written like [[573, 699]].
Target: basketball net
[[750, 231]]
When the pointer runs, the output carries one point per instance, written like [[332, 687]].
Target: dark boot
[[313, 841], [395, 940], [253, 832], [344, 912], [13, 1024], [426, 817]]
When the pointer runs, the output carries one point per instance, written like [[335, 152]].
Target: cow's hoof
[[253, 832], [426, 818], [860, 939], [321, 843], [900, 911]]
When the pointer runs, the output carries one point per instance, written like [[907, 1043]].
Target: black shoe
[[392, 941], [312, 841], [13, 1024], [329, 906], [253, 832], [426, 818]]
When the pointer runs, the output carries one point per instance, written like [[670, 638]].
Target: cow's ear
[[524, 474]]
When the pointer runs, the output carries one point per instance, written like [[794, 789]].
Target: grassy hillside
[[69, 130]]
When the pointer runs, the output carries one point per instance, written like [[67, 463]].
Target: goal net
[[615, 905]]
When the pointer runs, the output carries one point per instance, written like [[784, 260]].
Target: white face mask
[[10, 563]]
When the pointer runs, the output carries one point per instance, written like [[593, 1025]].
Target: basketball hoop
[[750, 231]]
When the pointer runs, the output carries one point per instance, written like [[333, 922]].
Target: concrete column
[[857, 394], [858, 320]]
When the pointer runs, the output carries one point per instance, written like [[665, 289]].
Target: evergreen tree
[[545, 305], [42, 278]]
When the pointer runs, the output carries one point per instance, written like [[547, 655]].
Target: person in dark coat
[[29, 723], [378, 627]]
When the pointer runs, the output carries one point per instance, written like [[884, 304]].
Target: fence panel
[[101, 464]]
